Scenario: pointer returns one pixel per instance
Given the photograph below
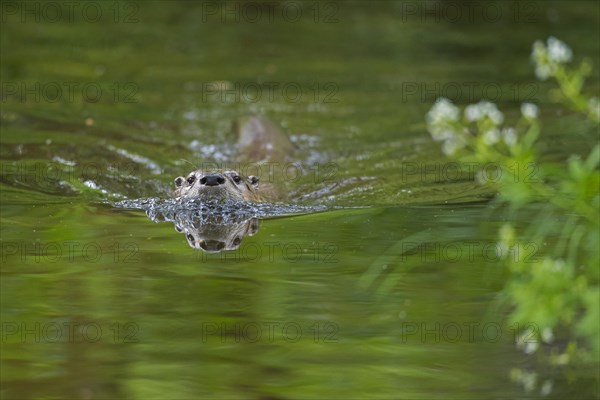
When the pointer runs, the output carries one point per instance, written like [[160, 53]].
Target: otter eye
[[237, 241], [191, 179], [237, 179], [178, 181]]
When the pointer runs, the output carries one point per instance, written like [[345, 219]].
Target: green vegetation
[[557, 293]]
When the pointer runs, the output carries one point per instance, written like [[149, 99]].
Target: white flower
[[450, 146], [529, 381], [491, 137], [529, 110], [528, 342], [546, 388], [542, 71], [486, 106], [492, 112], [509, 136], [496, 116], [531, 347], [558, 51], [473, 113], [476, 112], [547, 335], [441, 121], [442, 111], [441, 133]]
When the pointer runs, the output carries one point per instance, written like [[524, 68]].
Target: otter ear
[[253, 180], [178, 181]]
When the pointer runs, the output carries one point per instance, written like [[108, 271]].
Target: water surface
[[389, 291]]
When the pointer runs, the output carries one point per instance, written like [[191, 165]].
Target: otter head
[[219, 186]]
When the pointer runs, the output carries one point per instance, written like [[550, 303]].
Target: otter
[[259, 140]]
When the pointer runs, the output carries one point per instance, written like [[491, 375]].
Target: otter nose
[[212, 245], [212, 180]]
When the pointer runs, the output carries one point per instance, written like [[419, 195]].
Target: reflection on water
[[381, 282], [214, 225], [214, 232], [215, 235]]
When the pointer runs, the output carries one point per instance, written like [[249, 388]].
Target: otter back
[[260, 140]]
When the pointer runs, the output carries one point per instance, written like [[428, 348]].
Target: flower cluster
[[443, 121], [484, 109], [548, 58], [445, 124]]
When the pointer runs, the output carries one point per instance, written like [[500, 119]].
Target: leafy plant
[[559, 290]]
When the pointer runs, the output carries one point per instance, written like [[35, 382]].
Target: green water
[[394, 295]]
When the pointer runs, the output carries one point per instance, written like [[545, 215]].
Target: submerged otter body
[[259, 140]]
